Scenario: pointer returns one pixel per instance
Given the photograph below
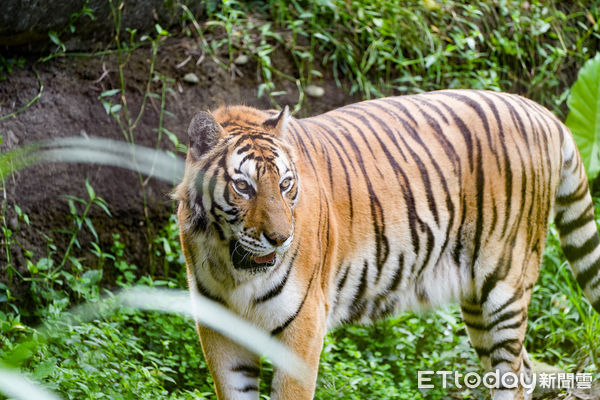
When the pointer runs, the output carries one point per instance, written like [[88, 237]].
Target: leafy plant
[[56, 37], [584, 115], [376, 48], [28, 104], [78, 221]]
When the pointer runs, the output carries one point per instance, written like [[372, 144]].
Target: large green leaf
[[584, 115]]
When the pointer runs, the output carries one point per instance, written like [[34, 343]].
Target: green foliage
[[78, 220], [8, 240], [390, 47], [584, 115], [128, 354], [381, 361], [26, 106]]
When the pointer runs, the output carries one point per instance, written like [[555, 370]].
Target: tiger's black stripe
[[505, 158], [575, 253], [397, 277], [495, 322], [517, 121], [482, 116], [250, 371], [248, 388], [465, 132], [577, 195], [298, 139], [448, 147], [342, 282], [401, 107], [585, 277], [390, 135], [358, 306]]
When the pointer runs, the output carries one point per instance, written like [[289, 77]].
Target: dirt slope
[[70, 106]]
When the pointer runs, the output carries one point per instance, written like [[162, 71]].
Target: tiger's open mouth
[[245, 260]]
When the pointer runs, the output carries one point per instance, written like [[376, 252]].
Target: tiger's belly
[[363, 293]]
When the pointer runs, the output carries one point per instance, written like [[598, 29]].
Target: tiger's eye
[[286, 183], [241, 185]]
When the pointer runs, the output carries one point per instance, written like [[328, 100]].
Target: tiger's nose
[[276, 239]]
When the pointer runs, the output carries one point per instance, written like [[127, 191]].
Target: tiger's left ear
[[279, 123]]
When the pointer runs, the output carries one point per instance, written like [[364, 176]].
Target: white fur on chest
[[244, 293]]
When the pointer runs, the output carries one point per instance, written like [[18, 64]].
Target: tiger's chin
[[245, 260]]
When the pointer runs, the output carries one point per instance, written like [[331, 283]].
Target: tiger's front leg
[[304, 336], [234, 369]]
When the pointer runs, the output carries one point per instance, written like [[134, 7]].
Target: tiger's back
[[394, 204]]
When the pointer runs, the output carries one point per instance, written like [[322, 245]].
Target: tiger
[[387, 205]]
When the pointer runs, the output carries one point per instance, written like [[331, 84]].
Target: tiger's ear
[[203, 134], [279, 123]]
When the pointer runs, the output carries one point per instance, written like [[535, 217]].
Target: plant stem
[[78, 225]]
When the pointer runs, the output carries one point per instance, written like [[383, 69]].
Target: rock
[[314, 91], [191, 77], [11, 139], [241, 59], [13, 223], [541, 392]]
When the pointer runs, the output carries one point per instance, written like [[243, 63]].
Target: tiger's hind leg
[[496, 324], [497, 337]]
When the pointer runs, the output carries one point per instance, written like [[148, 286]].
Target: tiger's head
[[241, 185]]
